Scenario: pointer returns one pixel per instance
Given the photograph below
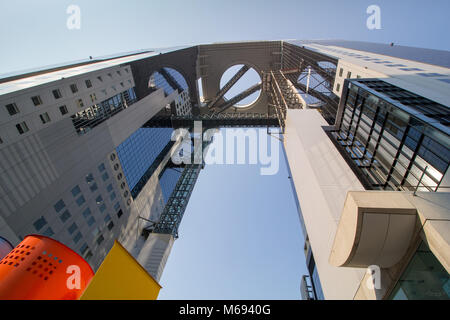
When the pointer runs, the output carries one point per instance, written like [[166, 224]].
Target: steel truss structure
[[176, 205], [281, 88]]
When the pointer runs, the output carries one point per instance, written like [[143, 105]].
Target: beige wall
[[322, 179]]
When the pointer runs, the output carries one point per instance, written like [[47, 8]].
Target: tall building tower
[[86, 149]]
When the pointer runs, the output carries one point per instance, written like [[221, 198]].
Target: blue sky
[[34, 33], [240, 237]]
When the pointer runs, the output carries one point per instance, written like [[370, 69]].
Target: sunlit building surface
[[86, 154]]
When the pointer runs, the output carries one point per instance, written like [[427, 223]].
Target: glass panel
[[424, 279]]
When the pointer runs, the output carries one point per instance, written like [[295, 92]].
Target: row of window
[[37, 100], [22, 127], [349, 75], [400, 66]]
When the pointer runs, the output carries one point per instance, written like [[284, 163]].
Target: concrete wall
[[43, 167], [322, 179]]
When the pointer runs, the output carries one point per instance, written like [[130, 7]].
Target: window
[[22, 127], [395, 65], [74, 88], [59, 205], [119, 213], [119, 176], [91, 221], [80, 201], [87, 213], [112, 196], [36, 100], [88, 255], [57, 94], [63, 110], [118, 72], [100, 78], [12, 109], [411, 69], [93, 97], [65, 216], [80, 103], [89, 178], [105, 176], [110, 225], [107, 218], [99, 200], [100, 239], [349, 75], [96, 232], [126, 70], [77, 237], [102, 208], [75, 191], [429, 75], [39, 223], [72, 228], [109, 187], [341, 72], [338, 87], [110, 75], [45, 118], [48, 232], [88, 83], [84, 248], [113, 156], [101, 167], [116, 167], [93, 187], [117, 206]]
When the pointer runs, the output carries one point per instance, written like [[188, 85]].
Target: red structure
[[41, 268]]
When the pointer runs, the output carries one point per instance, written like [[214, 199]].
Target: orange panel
[[41, 268]]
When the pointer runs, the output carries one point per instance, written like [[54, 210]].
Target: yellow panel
[[121, 277]]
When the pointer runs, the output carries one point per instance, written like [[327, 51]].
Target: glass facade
[[87, 119], [140, 150], [314, 274], [168, 180], [168, 79], [424, 279], [394, 137]]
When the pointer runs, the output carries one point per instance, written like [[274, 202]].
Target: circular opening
[[248, 80]]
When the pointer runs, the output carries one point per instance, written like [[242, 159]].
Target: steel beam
[[239, 97], [214, 121], [173, 212], [171, 80], [228, 85]]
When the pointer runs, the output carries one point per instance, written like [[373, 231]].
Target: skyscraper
[[86, 153]]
